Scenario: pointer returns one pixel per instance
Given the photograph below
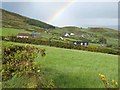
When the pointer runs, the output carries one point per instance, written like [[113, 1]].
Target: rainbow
[[60, 11]]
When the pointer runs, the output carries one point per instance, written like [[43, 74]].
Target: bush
[[19, 70], [18, 59]]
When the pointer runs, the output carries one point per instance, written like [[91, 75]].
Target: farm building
[[68, 34], [61, 38], [35, 34], [23, 35], [72, 34], [81, 43]]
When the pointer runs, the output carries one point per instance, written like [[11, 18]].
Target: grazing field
[[11, 31], [76, 68]]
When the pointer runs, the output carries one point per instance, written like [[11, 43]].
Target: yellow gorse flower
[[107, 84], [103, 78]]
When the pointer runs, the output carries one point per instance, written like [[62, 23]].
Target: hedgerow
[[67, 45]]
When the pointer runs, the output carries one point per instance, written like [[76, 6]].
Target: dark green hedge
[[63, 45]]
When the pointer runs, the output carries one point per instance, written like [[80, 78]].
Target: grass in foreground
[[76, 68]]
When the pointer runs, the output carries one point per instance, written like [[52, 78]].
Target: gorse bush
[[18, 61]]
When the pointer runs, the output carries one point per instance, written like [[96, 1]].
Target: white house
[[75, 43], [23, 35], [61, 38], [82, 35], [72, 34], [66, 34], [81, 43]]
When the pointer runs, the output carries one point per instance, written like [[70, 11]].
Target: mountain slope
[[13, 20]]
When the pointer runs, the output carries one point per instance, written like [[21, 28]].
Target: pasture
[[75, 68], [11, 31], [78, 69]]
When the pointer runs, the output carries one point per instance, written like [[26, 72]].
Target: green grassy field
[[11, 31], [76, 68], [72, 68]]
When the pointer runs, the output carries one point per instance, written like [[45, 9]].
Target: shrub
[[18, 65], [18, 59]]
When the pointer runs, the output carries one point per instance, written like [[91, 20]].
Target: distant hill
[[92, 35], [13, 20]]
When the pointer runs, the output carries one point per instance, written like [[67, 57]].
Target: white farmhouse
[[72, 34], [66, 35], [61, 38], [23, 35]]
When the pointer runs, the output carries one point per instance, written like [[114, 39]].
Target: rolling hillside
[[93, 35], [13, 20]]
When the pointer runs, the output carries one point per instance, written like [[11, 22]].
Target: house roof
[[23, 34]]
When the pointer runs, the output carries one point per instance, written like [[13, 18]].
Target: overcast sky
[[74, 13]]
